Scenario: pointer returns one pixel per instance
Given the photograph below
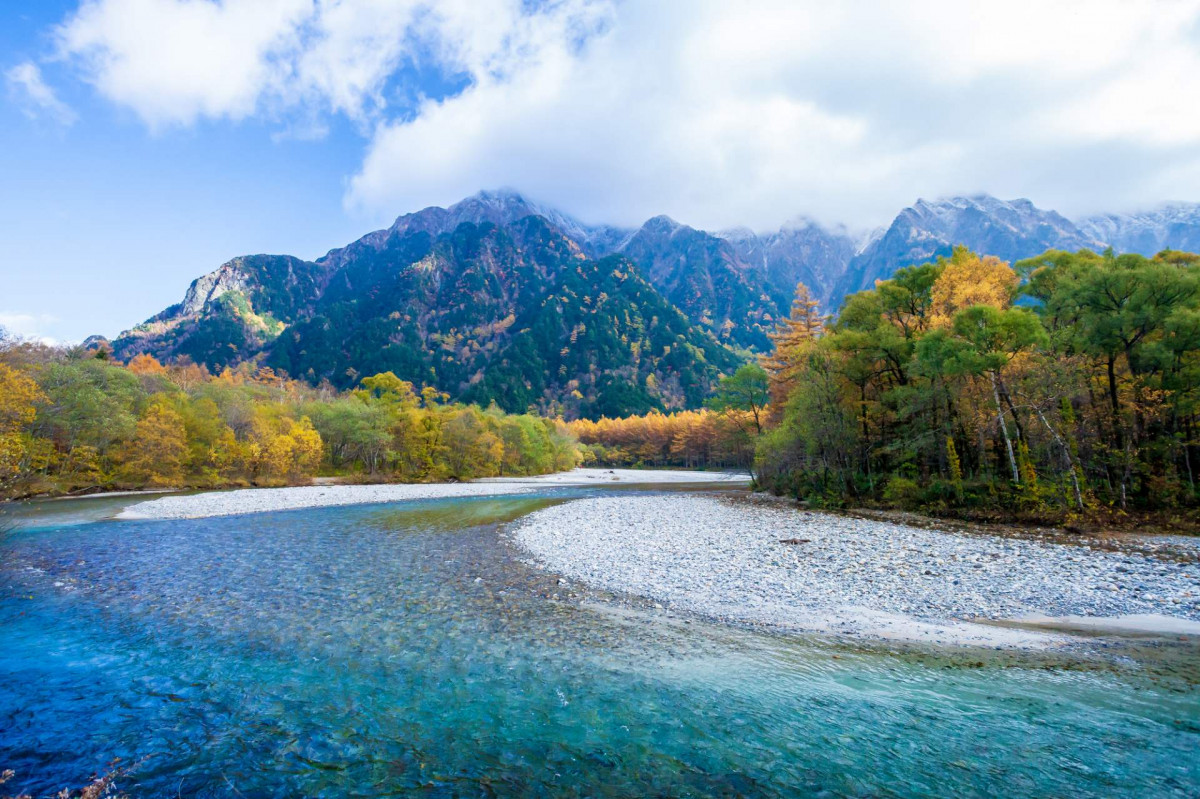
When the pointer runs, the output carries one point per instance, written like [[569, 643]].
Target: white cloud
[[177, 61], [724, 113], [29, 326], [717, 113], [35, 97], [174, 62]]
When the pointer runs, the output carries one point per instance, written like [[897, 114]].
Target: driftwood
[[793, 540]]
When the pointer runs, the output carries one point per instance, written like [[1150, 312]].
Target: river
[[382, 650]]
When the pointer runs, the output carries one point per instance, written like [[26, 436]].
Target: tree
[[71, 421], [471, 449], [746, 390], [1119, 311], [19, 399], [811, 450], [145, 364], [19, 451], [791, 339], [966, 279], [994, 338], [355, 432], [1090, 392], [158, 451], [91, 406], [391, 390]]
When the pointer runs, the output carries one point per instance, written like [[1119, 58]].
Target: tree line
[[1061, 383], [689, 439], [75, 420]]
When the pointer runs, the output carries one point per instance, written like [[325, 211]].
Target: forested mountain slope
[[450, 297], [513, 313]]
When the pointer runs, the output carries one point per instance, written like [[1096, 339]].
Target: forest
[[73, 420], [720, 435], [690, 439], [1059, 384], [1057, 387]]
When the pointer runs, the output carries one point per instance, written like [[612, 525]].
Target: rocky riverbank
[[763, 564]]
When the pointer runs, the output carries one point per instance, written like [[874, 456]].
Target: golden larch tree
[[791, 339], [968, 279]]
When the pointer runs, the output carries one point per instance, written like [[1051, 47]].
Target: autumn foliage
[[74, 420], [1065, 383], [691, 439]]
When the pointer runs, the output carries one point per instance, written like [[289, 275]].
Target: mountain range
[[498, 298]]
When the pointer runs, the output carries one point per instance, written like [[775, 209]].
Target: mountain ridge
[[516, 313], [729, 288]]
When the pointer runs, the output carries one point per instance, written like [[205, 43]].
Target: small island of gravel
[[852, 576], [265, 500]]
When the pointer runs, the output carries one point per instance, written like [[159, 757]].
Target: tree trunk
[[1067, 454], [1011, 409], [1118, 427], [1012, 459]]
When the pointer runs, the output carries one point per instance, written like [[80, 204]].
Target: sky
[[145, 142]]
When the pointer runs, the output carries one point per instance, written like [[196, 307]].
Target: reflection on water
[[381, 650]]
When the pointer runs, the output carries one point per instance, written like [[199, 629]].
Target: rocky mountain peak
[[1009, 229], [206, 289], [662, 225], [500, 207]]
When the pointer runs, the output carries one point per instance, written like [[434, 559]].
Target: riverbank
[[264, 500], [627, 476], [761, 564]]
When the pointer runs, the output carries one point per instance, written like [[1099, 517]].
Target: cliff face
[[231, 313], [704, 277], [800, 252], [206, 289]]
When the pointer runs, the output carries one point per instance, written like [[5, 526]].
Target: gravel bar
[[594, 476], [263, 500], [850, 576]]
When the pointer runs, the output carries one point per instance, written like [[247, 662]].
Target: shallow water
[[392, 649]]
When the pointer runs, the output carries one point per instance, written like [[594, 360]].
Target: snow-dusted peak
[[741, 233], [662, 225], [1171, 226]]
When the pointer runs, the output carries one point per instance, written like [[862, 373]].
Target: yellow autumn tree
[[307, 448], [287, 450], [472, 450], [791, 339], [682, 438], [145, 364], [19, 398], [968, 279], [227, 458], [158, 451], [386, 387]]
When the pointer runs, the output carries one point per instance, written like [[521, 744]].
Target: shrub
[[902, 492]]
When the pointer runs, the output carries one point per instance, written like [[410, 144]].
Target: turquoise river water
[[389, 650]]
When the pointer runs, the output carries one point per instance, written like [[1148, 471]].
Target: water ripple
[[387, 650]]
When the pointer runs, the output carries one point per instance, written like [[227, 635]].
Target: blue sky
[[144, 142], [104, 222]]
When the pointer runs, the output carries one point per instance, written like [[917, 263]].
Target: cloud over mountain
[[718, 113]]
